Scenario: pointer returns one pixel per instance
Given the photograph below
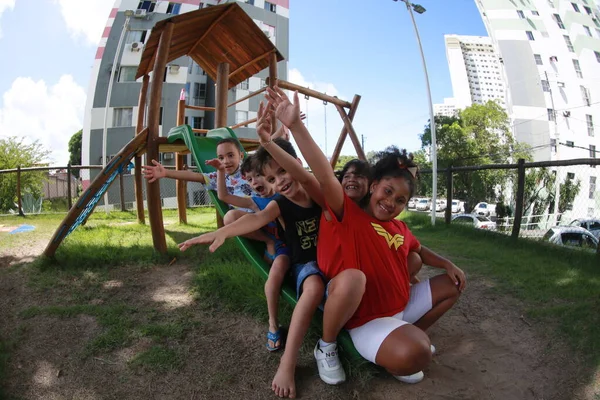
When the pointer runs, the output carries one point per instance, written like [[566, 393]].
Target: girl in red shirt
[[369, 291]]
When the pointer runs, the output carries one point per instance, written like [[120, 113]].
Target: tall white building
[[475, 71], [550, 50], [447, 108]]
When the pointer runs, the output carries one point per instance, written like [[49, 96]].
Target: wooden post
[[122, 192], [344, 133], [520, 194], [139, 192], [19, 199], [181, 184], [221, 107], [272, 83], [69, 191], [449, 182], [153, 189], [353, 136]]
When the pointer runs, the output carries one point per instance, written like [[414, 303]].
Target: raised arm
[[289, 115], [246, 224], [285, 160], [157, 171], [222, 192]]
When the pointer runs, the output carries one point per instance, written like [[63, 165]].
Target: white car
[[476, 221], [591, 224], [572, 236], [422, 205], [484, 209], [440, 205], [458, 206], [412, 203]]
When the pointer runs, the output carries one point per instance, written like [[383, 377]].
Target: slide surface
[[205, 148]]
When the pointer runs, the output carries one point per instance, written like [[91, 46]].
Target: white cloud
[[49, 114], [85, 18], [4, 5]]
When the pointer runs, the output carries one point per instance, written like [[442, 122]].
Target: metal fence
[[523, 199], [43, 190]]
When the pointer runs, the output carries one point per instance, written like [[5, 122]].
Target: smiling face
[[283, 182], [388, 198], [355, 185], [259, 184], [230, 156]]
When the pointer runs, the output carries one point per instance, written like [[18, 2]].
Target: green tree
[[478, 135], [75, 150], [342, 160], [14, 152]]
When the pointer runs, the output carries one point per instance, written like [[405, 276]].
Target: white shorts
[[368, 338]]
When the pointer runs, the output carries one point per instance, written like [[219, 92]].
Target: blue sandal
[[275, 337]]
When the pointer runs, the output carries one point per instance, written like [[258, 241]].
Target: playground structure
[[231, 48]]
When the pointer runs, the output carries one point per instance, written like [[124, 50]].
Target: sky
[[341, 47]]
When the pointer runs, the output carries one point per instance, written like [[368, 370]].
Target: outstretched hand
[[263, 123], [152, 173], [213, 238], [285, 111], [215, 163]]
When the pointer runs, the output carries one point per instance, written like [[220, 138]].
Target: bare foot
[[283, 384]]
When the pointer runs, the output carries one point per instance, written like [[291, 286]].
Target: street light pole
[[421, 10]]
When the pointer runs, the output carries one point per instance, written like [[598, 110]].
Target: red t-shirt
[[379, 249]]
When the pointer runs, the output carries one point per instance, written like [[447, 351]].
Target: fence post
[[519, 202], [122, 191], [69, 195], [19, 199], [448, 213]]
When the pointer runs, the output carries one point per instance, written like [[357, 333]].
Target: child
[[276, 248], [299, 217], [370, 292]]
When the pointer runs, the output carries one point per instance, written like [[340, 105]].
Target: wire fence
[[44, 190]]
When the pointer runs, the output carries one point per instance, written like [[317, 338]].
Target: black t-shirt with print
[[301, 229]]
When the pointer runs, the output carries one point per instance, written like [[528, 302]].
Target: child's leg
[[444, 293], [272, 289], [260, 235], [415, 263], [312, 294]]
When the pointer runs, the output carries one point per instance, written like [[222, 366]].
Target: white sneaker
[[328, 362], [414, 378], [432, 348]]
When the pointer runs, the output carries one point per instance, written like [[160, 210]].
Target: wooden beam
[[272, 82], [215, 22], [312, 93], [200, 130], [153, 189], [245, 123], [344, 133], [248, 97], [181, 184], [221, 108], [352, 132], [139, 191], [200, 108], [257, 59]]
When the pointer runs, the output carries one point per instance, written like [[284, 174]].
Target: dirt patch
[[486, 350]]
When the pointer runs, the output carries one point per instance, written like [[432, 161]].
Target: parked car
[[423, 205], [485, 209], [412, 203], [477, 221], [591, 224], [458, 206], [440, 205], [572, 236]]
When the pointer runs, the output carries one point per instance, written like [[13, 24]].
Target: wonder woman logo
[[397, 240]]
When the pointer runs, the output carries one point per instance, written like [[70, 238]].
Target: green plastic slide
[[205, 148]]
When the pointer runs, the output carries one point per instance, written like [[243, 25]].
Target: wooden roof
[[213, 35]]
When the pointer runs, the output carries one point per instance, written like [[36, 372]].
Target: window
[[538, 59], [251, 2], [575, 7], [592, 187], [535, 13], [551, 115], [585, 95], [529, 35], [553, 145], [199, 93], [570, 144], [160, 116], [559, 21], [241, 116], [521, 14], [569, 44], [135, 36], [173, 8], [127, 74], [196, 122], [592, 151], [588, 10], [244, 85], [577, 69], [122, 117], [147, 5], [590, 124], [545, 86], [597, 53], [270, 7], [587, 31]]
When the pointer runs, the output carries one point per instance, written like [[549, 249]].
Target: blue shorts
[[302, 271], [281, 249]]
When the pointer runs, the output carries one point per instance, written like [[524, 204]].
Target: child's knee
[[313, 286], [414, 263], [232, 216]]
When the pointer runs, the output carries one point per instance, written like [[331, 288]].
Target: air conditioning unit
[[553, 59], [136, 46], [141, 13], [566, 114], [167, 156], [560, 84], [173, 69]]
